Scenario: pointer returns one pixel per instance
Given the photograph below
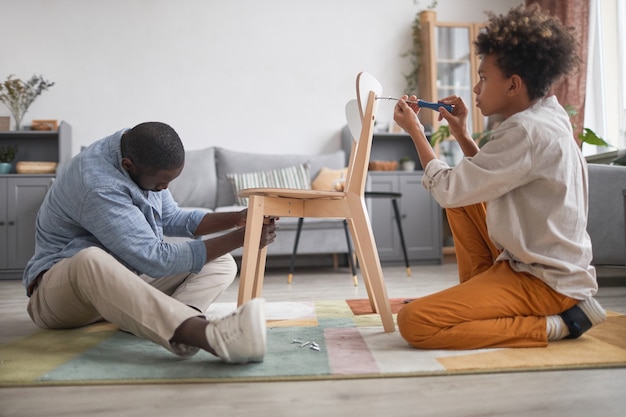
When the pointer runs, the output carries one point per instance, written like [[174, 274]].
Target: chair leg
[[251, 259], [292, 261], [257, 288], [359, 254], [370, 262], [394, 203], [350, 260]]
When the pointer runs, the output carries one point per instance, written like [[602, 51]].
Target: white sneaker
[[240, 337]]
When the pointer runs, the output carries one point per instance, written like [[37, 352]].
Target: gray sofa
[[203, 184], [607, 216]]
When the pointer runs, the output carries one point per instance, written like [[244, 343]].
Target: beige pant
[[93, 286]]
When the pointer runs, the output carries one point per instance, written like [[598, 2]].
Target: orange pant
[[493, 306]]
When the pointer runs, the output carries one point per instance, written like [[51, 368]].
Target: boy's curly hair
[[531, 44]]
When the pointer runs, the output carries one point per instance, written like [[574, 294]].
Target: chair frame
[[348, 204]]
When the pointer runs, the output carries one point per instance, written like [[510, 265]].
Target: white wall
[[262, 76]]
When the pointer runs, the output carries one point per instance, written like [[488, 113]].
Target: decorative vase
[[5, 167], [18, 119]]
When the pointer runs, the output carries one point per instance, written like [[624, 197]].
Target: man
[[100, 253]]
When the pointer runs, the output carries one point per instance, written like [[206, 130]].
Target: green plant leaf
[[441, 134], [590, 137]]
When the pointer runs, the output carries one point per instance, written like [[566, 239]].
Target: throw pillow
[[296, 176], [326, 179]]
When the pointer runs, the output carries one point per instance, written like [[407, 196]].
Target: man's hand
[[242, 216], [268, 233]]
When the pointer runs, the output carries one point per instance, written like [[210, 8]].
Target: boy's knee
[[411, 326]]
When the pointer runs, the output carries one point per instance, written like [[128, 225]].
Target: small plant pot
[[5, 167], [408, 166]]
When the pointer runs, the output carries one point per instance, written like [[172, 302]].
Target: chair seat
[[291, 193]]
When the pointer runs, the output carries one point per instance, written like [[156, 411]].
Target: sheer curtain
[[606, 82], [621, 25]]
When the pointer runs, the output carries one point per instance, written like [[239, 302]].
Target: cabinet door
[[421, 219], [382, 217], [24, 197], [4, 225]]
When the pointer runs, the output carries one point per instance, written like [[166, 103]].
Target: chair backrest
[[367, 89]]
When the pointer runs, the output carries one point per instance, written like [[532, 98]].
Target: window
[[605, 105]]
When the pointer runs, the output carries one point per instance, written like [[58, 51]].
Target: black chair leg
[[394, 202], [350, 252], [292, 262]]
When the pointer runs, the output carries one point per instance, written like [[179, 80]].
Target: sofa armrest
[[607, 214]]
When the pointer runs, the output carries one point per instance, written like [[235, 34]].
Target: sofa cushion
[[326, 179], [296, 176], [228, 162], [196, 186]]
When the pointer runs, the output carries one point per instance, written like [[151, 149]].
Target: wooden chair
[[348, 204]]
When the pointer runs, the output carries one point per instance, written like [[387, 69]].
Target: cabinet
[[420, 214], [21, 195], [448, 66]]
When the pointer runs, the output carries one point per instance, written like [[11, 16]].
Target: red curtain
[[571, 90]]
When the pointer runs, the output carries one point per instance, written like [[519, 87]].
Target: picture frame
[[44, 125]]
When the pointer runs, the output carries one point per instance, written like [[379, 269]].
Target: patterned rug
[[306, 340]]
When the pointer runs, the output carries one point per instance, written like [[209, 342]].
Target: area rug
[[362, 306], [306, 341]]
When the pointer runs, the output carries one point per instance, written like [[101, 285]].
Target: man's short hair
[[153, 146]]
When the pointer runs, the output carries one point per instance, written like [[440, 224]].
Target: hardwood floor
[[572, 393]]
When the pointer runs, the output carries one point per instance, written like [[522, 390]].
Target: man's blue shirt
[[94, 202]]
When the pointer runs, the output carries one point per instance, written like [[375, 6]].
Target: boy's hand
[[405, 115], [457, 120]]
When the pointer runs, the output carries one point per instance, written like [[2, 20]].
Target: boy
[[517, 207]]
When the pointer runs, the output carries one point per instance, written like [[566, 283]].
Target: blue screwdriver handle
[[433, 106]]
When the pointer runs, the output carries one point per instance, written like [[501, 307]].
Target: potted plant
[[407, 164], [18, 95], [7, 155]]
